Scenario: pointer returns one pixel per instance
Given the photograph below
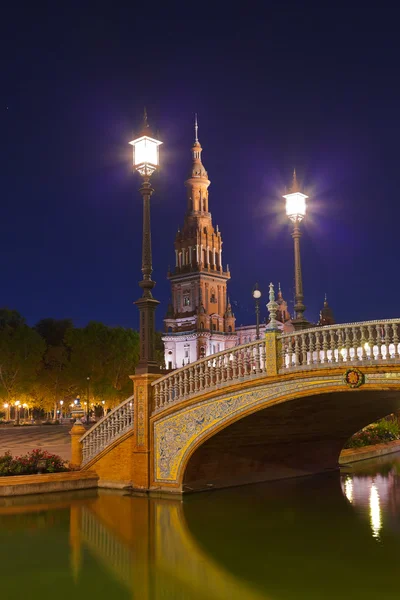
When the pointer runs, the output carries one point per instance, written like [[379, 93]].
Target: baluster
[[180, 384], [196, 378], [325, 345], [239, 363], [283, 353], [169, 400], [311, 348], [387, 341], [156, 395], [339, 335], [370, 342], [263, 358], [247, 362], [347, 343], [303, 340], [297, 350], [186, 382], [354, 333], [234, 365], [191, 380], [363, 343], [318, 347], [379, 341], [332, 345], [218, 370], [290, 352], [395, 340]]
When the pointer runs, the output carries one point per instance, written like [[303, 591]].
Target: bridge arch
[[294, 426]]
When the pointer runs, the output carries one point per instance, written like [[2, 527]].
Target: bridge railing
[[107, 430], [238, 363], [368, 341]]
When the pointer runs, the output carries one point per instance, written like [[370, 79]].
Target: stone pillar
[[76, 433], [272, 347], [142, 452]]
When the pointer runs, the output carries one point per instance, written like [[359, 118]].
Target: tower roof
[[198, 170]]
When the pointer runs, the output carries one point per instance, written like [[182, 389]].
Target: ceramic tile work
[[177, 433]]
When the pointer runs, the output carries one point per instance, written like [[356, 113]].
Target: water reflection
[[280, 541]]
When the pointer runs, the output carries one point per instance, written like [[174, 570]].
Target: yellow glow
[[296, 205], [348, 489], [17, 403], [5, 405], [375, 511], [256, 294], [145, 151]]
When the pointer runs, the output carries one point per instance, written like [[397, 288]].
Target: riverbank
[[355, 454], [21, 485]]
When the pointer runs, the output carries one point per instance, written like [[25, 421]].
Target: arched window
[[205, 230], [212, 297], [201, 326], [230, 328], [214, 327], [170, 331]]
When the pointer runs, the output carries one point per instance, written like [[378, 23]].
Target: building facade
[[199, 320]]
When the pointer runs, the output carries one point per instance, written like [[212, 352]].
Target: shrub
[[37, 461], [377, 433]]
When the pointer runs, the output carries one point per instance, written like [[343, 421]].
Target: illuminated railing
[[107, 430], [214, 371], [365, 342]]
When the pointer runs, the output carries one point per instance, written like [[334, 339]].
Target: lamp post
[[7, 407], [61, 409], [88, 401], [17, 405], [145, 162], [296, 210], [257, 296], [104, 408]]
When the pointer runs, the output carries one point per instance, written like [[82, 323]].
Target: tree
[[107, 355], [21, 353]]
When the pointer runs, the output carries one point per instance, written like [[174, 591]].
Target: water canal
[[335, 536]]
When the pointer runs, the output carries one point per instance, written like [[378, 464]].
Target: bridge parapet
[[240, 363], [363, 343], [107, 430]]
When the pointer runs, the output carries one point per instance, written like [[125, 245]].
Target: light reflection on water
[[308, 538]]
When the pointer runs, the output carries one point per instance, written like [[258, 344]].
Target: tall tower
[[199, 320]]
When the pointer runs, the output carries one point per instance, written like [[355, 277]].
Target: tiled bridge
[[278, 407]]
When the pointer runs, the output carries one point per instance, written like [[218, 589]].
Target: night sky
[[275, 87]]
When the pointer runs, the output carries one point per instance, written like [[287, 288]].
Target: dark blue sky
[[288, 85]]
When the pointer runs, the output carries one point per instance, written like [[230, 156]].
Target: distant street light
[[61, 408], [296, 210], [257, 296]]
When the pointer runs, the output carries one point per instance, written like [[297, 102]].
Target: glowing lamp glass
[[146, 153], [296, 205], [256, 294]]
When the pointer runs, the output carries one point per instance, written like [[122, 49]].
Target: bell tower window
[[186, 298]]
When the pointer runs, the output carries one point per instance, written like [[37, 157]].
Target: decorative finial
[[145, 123], [272, 308], [295, 185], [196, 129], [279, 287]]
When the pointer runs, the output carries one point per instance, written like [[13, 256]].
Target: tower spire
[[196, 129]]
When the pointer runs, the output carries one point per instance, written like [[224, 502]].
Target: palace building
[[199, 320]]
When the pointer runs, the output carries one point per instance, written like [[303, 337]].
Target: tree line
[[53, 361]]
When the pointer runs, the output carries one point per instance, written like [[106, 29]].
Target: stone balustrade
[[365, 342], [209, 373], [107, 430]]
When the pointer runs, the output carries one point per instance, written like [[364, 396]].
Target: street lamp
[[61, 408], [296, 210], [145, 162], [257, 296], [88, 400]]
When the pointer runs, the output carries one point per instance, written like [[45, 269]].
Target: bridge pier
[[143, 406]]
